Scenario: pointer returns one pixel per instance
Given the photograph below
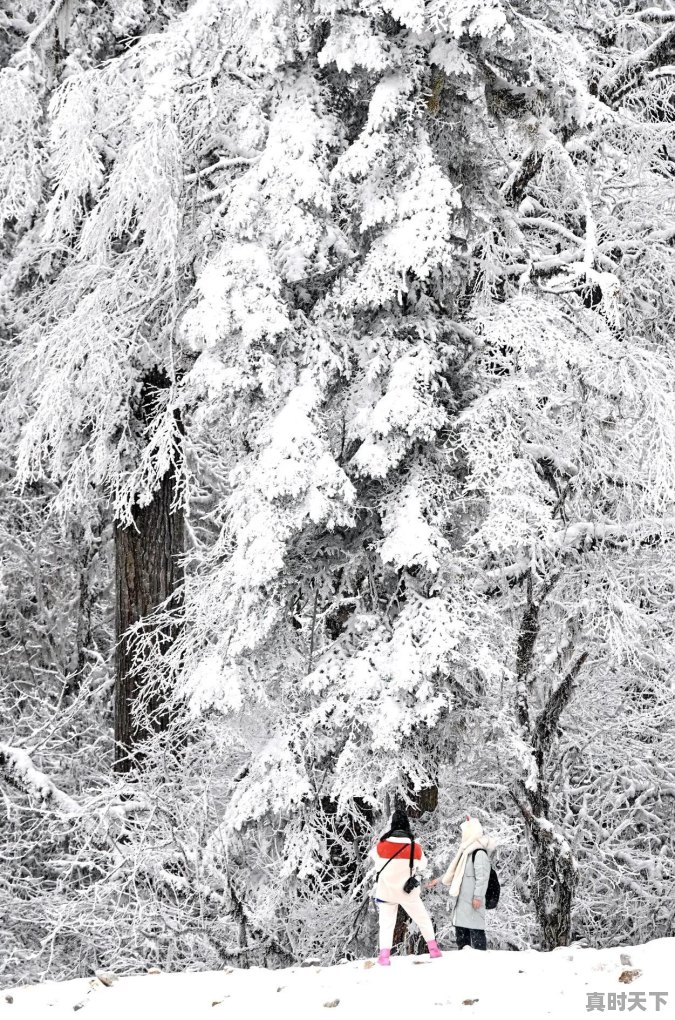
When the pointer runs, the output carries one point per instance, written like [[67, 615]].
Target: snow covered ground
[[490, 985]]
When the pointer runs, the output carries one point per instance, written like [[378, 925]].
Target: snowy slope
[[488, 985]]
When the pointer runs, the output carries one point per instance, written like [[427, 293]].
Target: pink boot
[[434, 951], [383, 958]]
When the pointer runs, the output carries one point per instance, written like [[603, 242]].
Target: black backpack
[[493, 887]]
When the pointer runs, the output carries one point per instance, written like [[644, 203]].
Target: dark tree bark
[[555, 877], [147, 571]]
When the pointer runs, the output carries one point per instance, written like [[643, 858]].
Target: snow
[[353, 43], [495, 984], [20, 769], [277, 205]]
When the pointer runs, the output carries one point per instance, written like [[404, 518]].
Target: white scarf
[[473, 838]]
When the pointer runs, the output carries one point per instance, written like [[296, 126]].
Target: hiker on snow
[[398, 859], [468, 877]]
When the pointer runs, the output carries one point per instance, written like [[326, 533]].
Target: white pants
[[415, 910]]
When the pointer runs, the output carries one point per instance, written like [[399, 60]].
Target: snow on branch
[[60, 14], [548, 720], [17, 767], [637, 65], [14, 24], [545, 830], [620, 535], [655, 14], [542, 452]]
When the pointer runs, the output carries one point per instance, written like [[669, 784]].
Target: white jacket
[[394, 852]]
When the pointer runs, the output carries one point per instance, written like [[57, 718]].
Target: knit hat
[[400, 820]]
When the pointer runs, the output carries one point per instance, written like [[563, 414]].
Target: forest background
[[337, 470]]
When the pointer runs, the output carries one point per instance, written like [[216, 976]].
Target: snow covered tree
[[388, 609], [577, 470], [365, 308], [94, 287]]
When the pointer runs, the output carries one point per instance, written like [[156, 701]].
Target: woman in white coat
[[468, 877], [398, 857]]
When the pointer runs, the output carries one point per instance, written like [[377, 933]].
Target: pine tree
[[374, 299]]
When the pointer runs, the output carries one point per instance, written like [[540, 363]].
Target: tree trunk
[[399, 942], [147, 571], [555, 873], [555, 883]]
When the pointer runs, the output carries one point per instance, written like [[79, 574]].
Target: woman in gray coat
[[468, 877]]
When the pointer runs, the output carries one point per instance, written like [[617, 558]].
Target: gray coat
[[474, 884]]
